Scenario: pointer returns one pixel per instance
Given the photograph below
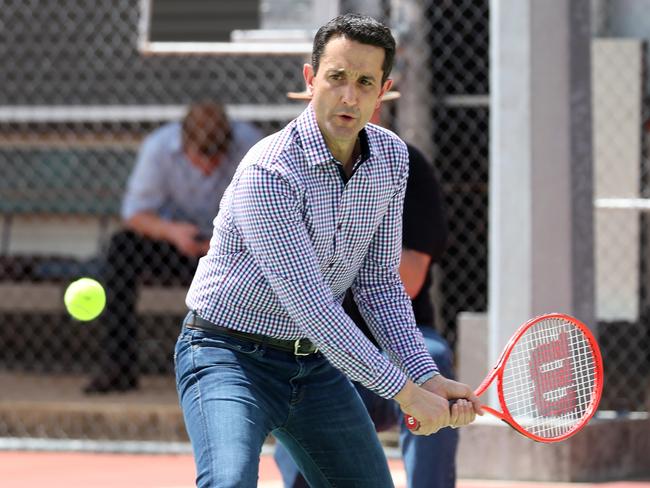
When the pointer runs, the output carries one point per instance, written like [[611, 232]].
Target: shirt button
[[339, 227], [330, 265]]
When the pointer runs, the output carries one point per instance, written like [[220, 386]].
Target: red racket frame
[[498, 370]]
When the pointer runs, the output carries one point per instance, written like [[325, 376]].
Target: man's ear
[[386, 87], [308, 75]]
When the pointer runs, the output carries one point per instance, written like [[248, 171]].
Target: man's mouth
[[346, 117]]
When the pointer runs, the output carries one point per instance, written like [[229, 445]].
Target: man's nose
[[349, 95]]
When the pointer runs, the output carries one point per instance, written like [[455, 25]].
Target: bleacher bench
[[59, 207]]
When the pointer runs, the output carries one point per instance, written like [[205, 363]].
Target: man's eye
[[365, 82]]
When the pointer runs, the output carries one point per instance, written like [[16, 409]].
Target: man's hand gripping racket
[[549, 379]]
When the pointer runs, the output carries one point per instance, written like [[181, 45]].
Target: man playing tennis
[[312, 210]]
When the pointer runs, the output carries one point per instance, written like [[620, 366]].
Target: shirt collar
[[313, 143]]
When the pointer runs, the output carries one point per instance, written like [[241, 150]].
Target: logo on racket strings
[[551, 370]]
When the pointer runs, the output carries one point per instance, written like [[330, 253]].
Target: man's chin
[[346, 131]]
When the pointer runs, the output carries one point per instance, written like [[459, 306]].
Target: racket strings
[[549, 379]]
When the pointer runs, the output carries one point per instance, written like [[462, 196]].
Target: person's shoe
[[102, 385]]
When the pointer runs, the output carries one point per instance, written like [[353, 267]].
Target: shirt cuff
[[419, 365], [426, 377]]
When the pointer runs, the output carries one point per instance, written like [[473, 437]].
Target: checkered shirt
[[291, 237]]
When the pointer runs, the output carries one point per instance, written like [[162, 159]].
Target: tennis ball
[[84, 299]]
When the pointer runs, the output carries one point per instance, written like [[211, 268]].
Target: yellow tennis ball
[[84, 299]]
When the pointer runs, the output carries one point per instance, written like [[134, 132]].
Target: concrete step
[[52, 406]]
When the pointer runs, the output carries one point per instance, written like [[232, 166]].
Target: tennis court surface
[[24, 469]]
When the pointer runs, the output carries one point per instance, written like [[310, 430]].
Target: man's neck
[[347, 154]]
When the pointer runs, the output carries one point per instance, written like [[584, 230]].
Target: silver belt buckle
[[298, 352]]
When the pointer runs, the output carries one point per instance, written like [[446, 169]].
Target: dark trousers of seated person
[[131, 258]]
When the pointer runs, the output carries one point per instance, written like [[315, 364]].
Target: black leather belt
[[299, 347]]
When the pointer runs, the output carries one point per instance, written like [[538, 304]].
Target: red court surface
[[76, 470]]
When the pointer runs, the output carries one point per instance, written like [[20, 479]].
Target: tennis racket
[[549, 379]]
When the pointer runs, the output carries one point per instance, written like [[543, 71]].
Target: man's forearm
[[149, 225]]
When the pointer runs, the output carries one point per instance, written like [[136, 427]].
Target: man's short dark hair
[[359, 28], [206, 129]]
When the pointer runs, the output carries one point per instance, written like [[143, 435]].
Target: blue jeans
[[429, 461], [234, 393]]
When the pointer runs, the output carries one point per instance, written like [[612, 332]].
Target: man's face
[[205, 164], [347, 88]]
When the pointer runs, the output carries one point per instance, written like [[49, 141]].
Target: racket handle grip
[[412, 423]]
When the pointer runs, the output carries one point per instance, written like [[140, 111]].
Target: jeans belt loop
[[296, 349]]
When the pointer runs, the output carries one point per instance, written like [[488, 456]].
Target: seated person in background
[[172, 197], [429, 461]]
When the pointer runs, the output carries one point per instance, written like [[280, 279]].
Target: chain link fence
[[79, 95], [620, 90]]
